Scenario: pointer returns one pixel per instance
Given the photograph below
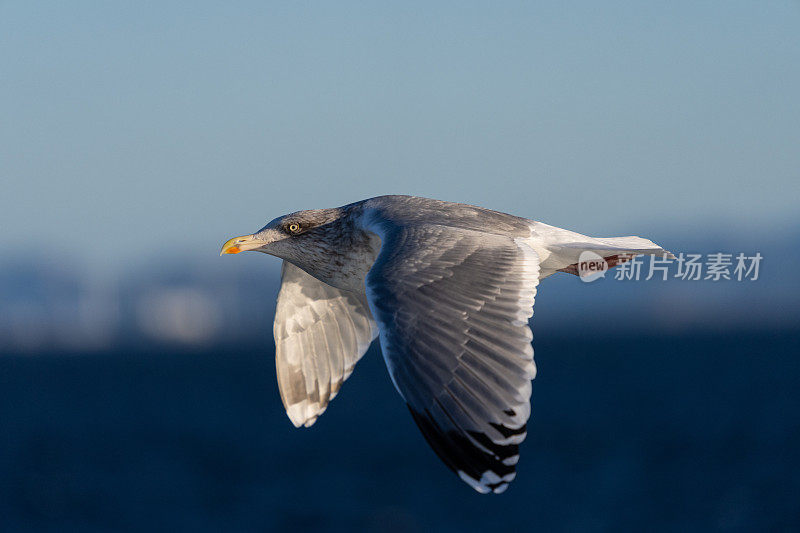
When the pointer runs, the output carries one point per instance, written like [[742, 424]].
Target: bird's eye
[[294, 227]]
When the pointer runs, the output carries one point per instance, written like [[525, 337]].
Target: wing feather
[[320, 334], [453, 308]]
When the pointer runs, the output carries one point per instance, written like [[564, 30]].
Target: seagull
[[449, 290]]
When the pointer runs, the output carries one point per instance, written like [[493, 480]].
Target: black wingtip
[[480, 462]]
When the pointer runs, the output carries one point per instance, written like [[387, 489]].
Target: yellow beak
[[241, 244]]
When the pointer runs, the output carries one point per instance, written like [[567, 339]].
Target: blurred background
[[137, 382]]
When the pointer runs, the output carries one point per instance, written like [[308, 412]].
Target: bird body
[[449, 289]]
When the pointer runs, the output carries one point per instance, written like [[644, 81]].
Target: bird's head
[[323, 242], [289, 235]]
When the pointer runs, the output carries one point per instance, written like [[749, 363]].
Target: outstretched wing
[[320, 334], [453, 308]]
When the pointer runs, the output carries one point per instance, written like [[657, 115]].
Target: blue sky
[[130, 129]]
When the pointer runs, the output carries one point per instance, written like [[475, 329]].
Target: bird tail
[[633, 245], [612, 250], [565, 249]]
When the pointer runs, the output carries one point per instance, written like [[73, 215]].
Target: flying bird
[[449, 290]]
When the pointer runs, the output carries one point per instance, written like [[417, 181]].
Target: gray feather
[[320, 334], [453, 305]]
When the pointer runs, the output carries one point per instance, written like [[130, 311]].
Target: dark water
[[633, 433]]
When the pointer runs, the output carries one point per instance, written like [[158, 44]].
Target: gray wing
[[453, 308], [320, 334]]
